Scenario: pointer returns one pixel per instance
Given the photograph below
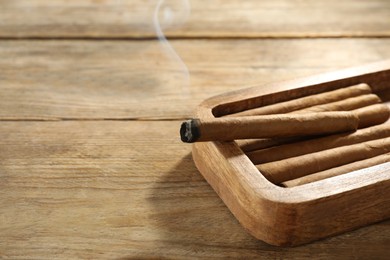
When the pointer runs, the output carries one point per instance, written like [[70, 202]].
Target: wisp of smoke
[[170, 18]]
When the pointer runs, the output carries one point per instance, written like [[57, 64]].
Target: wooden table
[[91, 165]]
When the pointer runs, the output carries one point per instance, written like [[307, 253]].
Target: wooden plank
[[141, 79], [218, 18], [128, 190]]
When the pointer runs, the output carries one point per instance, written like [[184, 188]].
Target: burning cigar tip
[[189, 131]]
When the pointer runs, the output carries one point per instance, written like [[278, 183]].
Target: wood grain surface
[[81, 189], [184, 18], [109, 177], [141, 79]]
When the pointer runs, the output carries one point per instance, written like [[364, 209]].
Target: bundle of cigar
[[306, 139]]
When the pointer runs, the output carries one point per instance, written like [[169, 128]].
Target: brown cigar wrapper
[[248, 145], [351, 103], [285, 151], [308, 101], [368, 116], [344, 105], [296, 167], [372, 115], [338, 170], [283, 125]]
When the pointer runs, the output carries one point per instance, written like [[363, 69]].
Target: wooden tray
[[297, 215]]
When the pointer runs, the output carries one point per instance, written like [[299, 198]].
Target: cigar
[[281, 125], [372, 115], [344, 105], [249, 145], [299, 166], [338, 170], [308, 101], [285, 151]]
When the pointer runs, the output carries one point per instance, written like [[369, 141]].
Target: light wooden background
[[91, 165]]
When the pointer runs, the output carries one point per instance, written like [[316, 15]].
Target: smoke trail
[[169, 18]]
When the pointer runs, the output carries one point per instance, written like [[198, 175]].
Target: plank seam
[[203, 37], [90, 119]]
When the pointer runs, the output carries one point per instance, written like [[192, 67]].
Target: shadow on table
[[193, 221]]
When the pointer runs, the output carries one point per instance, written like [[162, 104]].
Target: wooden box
[[297, 215]]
